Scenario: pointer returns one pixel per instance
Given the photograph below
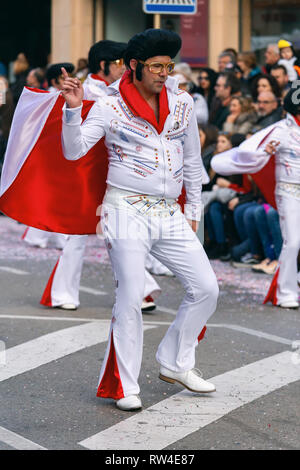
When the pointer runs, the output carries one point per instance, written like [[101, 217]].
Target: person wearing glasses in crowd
[[152, 123], [207, 80], [269, 110]]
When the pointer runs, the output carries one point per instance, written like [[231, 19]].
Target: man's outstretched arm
[[78, 139]]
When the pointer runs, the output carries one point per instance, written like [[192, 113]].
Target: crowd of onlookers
[[231, 104]]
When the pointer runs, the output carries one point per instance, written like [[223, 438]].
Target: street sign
[[171, 7]]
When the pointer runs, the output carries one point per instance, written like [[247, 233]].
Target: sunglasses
[[157, 67], [202, 77], [118, 62]]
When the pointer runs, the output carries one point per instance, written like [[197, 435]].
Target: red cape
[[52, 193]]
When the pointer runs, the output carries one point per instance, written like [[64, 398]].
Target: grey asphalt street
[[49, 370]]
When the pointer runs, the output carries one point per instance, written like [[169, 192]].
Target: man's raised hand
[[72, 90], [271, 147]]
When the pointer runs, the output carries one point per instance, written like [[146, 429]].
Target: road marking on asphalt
[[241, 329], [53, 346], [13, 271], [250, 331], [17, 442], [166, 310], [52, 318], [89, 290], [175, 418]]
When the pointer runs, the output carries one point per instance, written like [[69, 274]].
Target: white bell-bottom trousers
[[64, 282], [40, 238], [131, 234], [289, 213]]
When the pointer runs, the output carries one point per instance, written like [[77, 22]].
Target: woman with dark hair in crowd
[[265, 83], [207, 79]]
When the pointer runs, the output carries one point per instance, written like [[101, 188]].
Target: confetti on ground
[[242, 280]]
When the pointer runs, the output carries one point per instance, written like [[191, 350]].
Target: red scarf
[[96, 77], [139, 105]]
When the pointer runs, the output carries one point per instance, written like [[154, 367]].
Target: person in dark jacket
[[226, 87], [269, 111]]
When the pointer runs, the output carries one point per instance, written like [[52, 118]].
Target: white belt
[[288, 189], [142, 203]]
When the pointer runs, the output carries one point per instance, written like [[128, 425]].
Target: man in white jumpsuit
[[283, 141], [152, 139], [106, 65]]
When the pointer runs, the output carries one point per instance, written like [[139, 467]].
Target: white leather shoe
[[148, 306], [290, 304], [130, 403], [191, 380], [68, 307]]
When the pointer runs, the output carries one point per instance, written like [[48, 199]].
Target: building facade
[[67, 28]]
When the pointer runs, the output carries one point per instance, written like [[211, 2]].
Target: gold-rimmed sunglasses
[[158, 67], [118, 62]]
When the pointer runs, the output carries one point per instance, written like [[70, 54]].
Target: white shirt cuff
[[193, 211]]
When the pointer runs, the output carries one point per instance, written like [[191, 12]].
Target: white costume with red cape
[[149, 161], [40, 188], [64, 281], [278, 177]]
